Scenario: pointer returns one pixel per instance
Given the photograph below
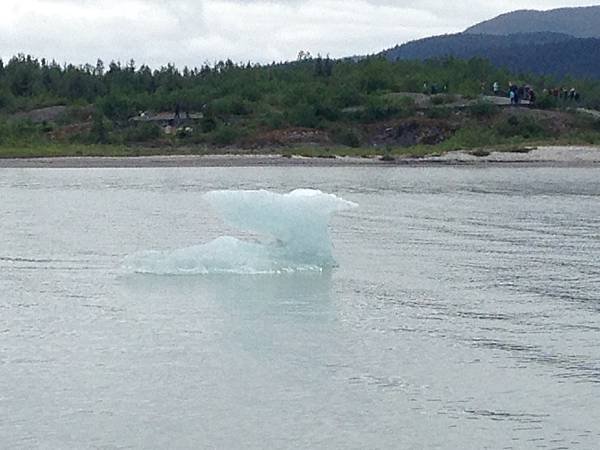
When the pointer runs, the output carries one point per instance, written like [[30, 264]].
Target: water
[[465, 313]]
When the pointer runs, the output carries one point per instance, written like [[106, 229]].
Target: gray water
[[465, 313]]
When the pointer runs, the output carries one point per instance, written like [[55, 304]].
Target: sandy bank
[[542, 156]]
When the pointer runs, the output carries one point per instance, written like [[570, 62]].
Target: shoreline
[[546, 156]]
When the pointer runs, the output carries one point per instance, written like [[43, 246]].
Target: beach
[[543, 156]]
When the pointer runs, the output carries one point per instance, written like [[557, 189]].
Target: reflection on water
[[301, 299], [464, 314]]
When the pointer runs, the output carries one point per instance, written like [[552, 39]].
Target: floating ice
[[294, 227]]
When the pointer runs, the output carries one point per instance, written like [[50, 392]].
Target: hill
[[361, 107], [541, 53], [560, 42], [463, 45], [583, 22]]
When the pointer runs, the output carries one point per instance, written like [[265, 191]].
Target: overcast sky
[[188, 32]]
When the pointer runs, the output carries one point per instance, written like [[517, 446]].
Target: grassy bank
[[432, 128], [464, 141], [312, 107]]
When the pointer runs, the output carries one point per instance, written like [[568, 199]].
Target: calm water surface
[[465, 313]]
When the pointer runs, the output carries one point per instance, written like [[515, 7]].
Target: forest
[[344, 102]]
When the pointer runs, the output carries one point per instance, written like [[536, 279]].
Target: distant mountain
[[558, 42], [469, 45], [541, 53], [583, 22]]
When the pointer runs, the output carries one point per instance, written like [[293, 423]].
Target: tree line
[[313, 92]]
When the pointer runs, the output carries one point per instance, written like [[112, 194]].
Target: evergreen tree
[[98, 132], [99, 71], [319, 66], [327, 67]]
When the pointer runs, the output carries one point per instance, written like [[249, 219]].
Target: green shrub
[[471, 137], [116, 107], [231, 105], [547, 102], [99, 132], [327, 111], [524, 126], [304, 115], [438, 113], [381, 108], [7, 99], [346, 136], [376, 76], [387, 154], [272, 120], [346, 96], [142, 132], [483, 110], [225, 135], [21, 132], [208, 124]]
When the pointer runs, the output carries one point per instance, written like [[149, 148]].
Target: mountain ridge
[[559, 42], [582, 22]]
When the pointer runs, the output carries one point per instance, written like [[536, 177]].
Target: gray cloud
[[190, 32]]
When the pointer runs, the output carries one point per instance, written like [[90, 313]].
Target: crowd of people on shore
[[518, 93], [563, 93]]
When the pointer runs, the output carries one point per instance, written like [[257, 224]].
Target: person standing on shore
[[513, 93], [531, 96]]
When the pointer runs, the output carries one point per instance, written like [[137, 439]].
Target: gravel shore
[[542, 156]]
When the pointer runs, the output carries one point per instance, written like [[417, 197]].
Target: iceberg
[[293, 228]]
